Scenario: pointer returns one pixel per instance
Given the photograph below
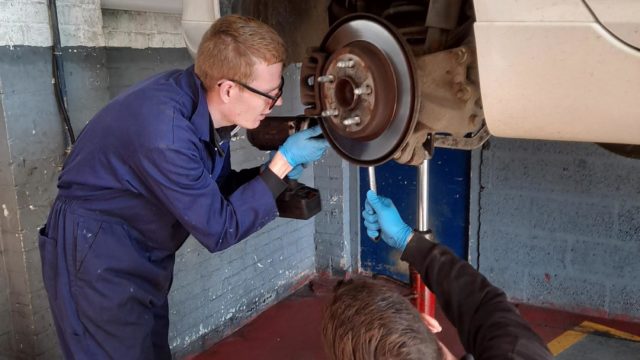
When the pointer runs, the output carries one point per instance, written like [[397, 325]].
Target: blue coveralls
[[146, 171]]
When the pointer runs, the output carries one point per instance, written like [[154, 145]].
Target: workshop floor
[[291, 330]]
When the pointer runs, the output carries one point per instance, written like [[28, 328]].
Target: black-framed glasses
[[274, 99]]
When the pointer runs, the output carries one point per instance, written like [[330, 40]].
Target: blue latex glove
[[294, 174], [299, 148], [380, 214]]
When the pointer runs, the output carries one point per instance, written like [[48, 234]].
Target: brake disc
[[364, 88]]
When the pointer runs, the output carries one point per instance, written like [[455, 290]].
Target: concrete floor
[[291, 330]]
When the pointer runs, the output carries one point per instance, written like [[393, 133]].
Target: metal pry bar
[[374, 187]]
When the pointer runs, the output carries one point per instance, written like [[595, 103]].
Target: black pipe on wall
[[60, 87]]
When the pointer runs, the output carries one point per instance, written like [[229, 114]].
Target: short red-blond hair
[[231, 46]]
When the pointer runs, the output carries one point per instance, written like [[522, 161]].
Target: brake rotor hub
[[360, 81], [352, 95]]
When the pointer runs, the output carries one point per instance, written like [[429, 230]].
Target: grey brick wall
[[559, 225], [142, 30], [337, 226], [214, 294]]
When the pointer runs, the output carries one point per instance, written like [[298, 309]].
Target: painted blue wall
[[448, 207], [449, 199]]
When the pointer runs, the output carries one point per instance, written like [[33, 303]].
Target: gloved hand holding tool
[[381, 215]]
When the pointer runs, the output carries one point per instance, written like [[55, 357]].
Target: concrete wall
[[213, 294], [559, 225], [30, 154], [6, 326], [31, 151]]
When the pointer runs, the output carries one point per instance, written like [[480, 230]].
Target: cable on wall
[[58, 71]]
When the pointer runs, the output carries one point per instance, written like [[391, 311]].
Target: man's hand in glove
[[380, 214]]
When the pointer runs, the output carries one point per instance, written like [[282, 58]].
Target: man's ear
[[431, 323], [226, 90]]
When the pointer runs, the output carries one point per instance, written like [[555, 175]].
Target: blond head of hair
[[231, 47]]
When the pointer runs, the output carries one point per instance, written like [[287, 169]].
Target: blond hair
[[231, 46], [368, 320]]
